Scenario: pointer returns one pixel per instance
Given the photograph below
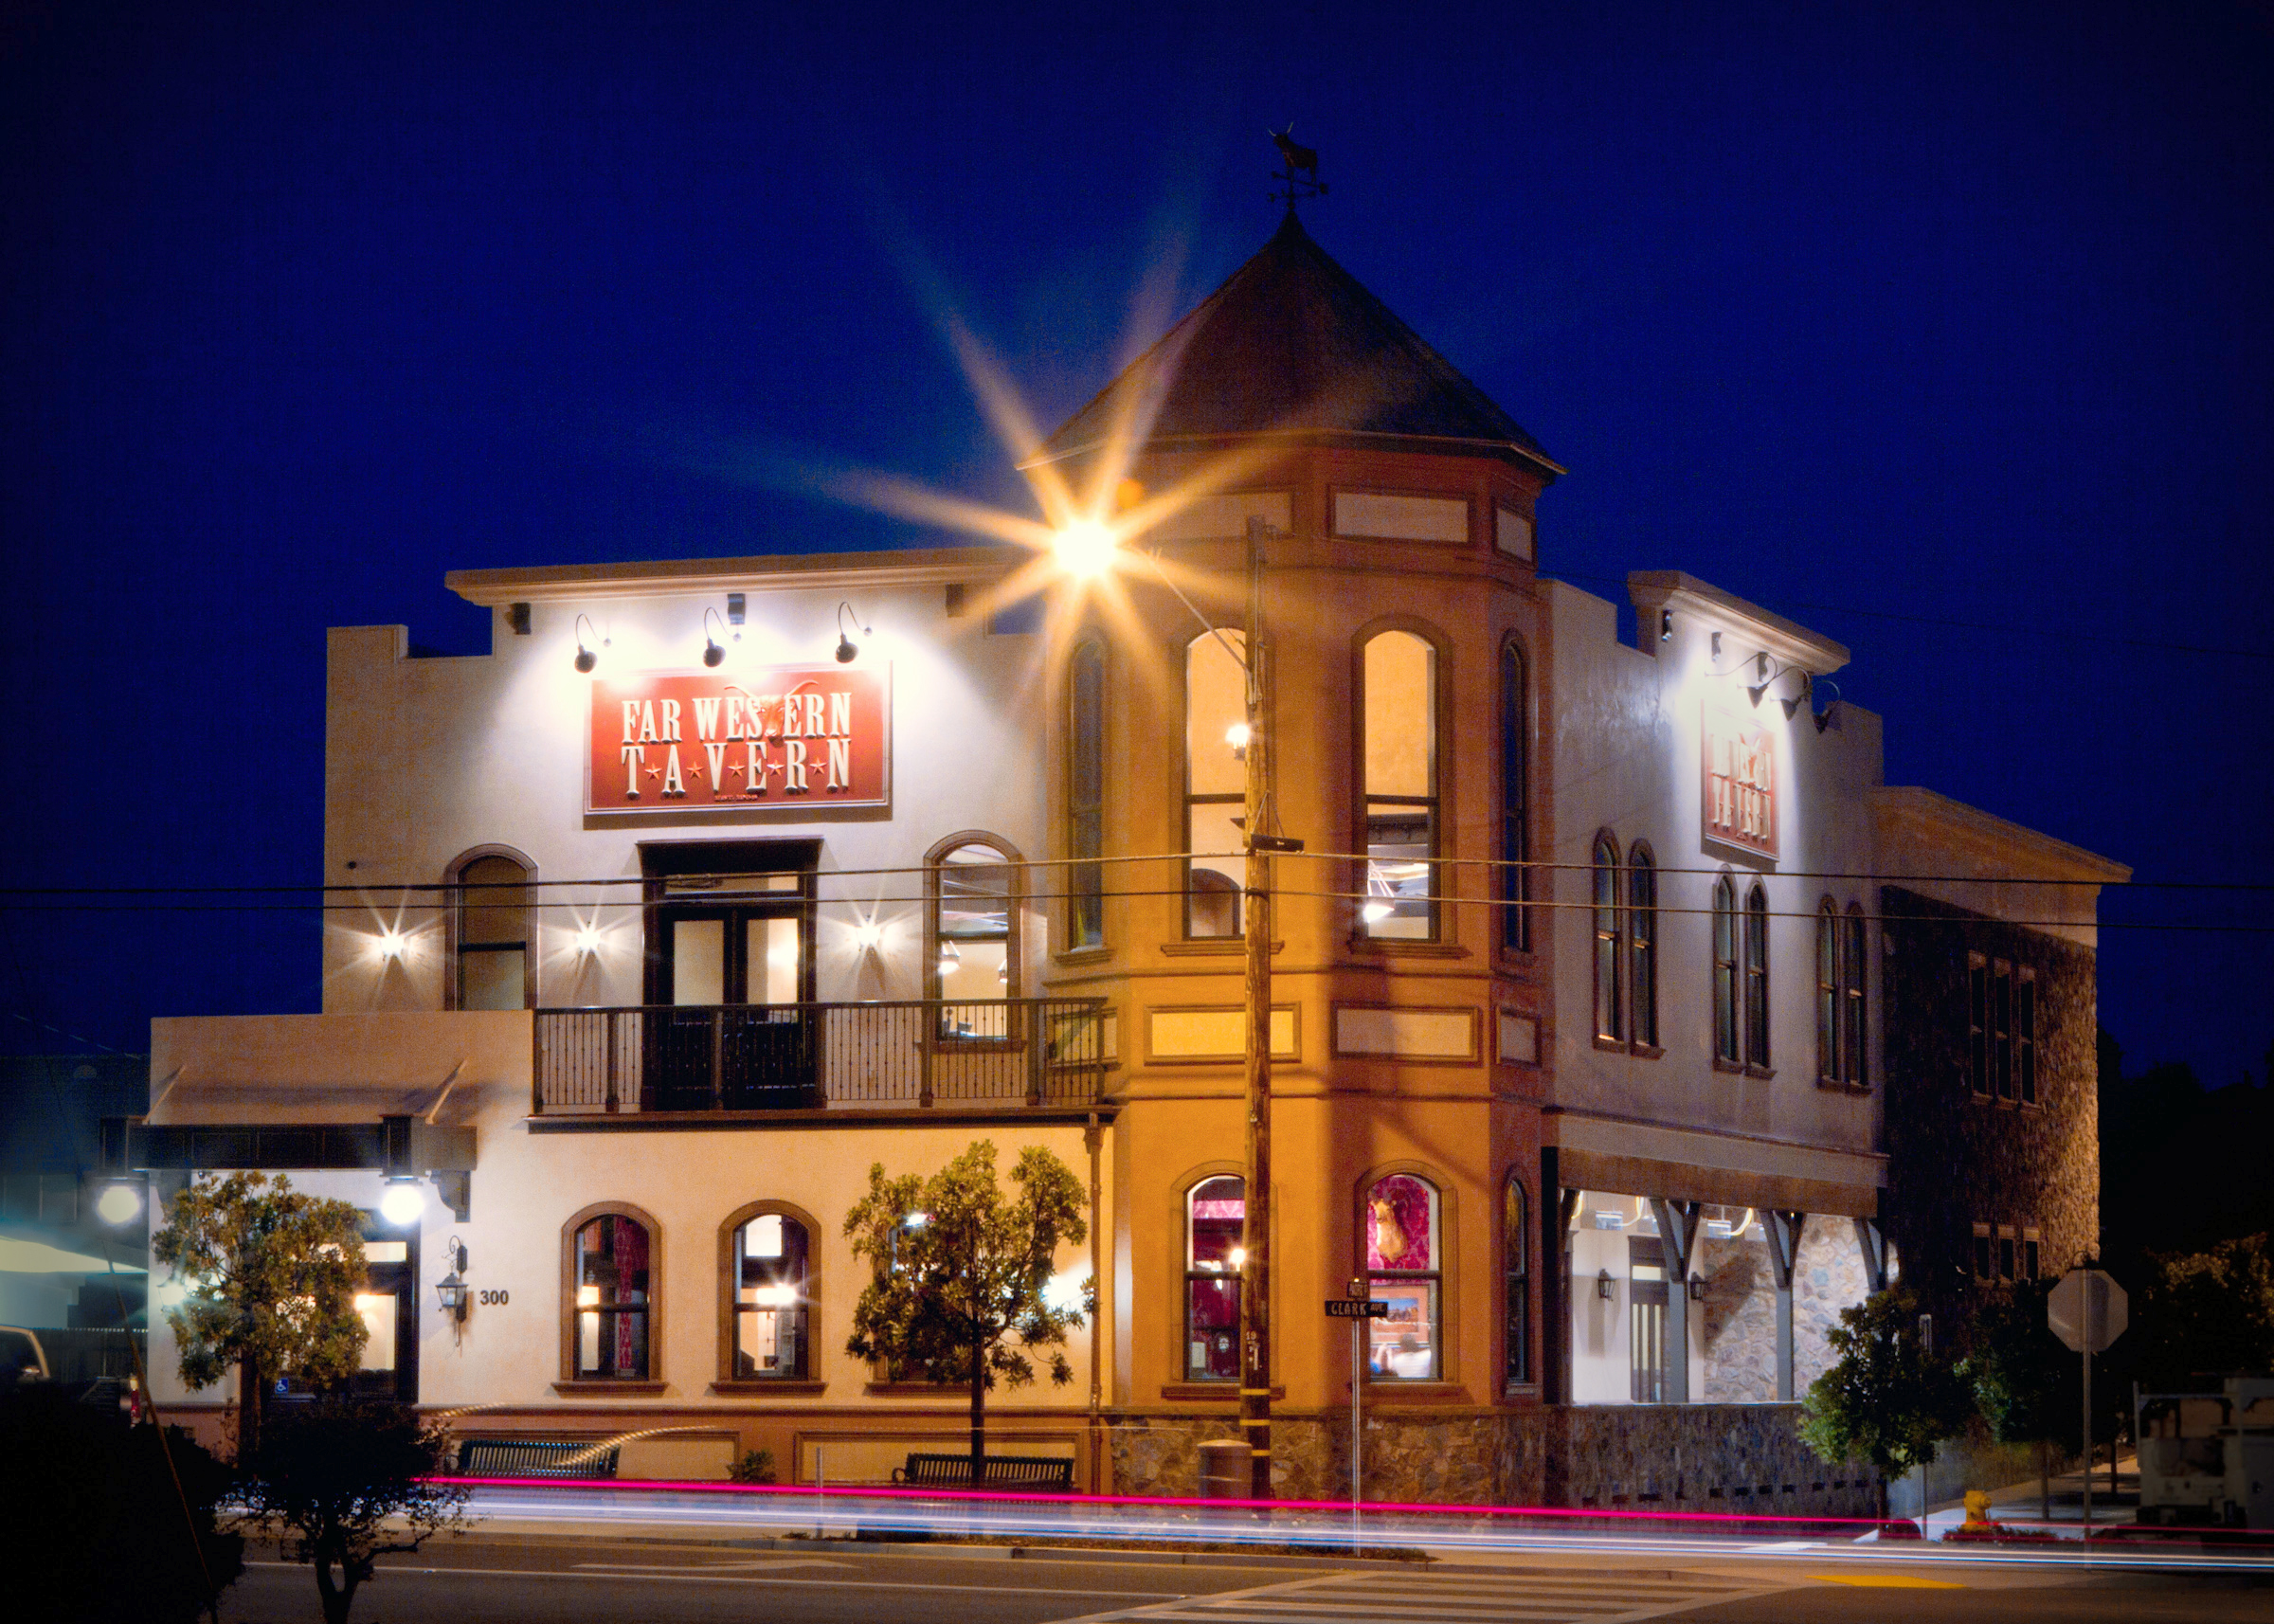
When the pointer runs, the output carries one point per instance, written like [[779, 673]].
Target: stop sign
[[2088, 1309]]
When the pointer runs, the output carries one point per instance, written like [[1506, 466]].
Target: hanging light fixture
[[846, 647], [586, 656], [951, 960], [713, 654]]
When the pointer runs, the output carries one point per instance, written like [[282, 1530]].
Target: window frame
[[1440, 931], [1642, 950], [1728, 1035], [1187, 1275], [1443, 1329], [453, 991], [1014, 866], [1086, 758], [1829, 946], [1190, 799], [1977, 1025], [1513, 932], [1516, 1283], [1757, 1012], [2025, 1035], [1606, 913], [1855, 997], [729, 1342], [570, 1381]]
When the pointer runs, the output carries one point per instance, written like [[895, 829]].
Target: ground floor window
[[1216, 1212], [772, 1298], [1404, 1269], [609, 1265]]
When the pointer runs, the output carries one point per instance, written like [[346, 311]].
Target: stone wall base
[[1714, 1458]]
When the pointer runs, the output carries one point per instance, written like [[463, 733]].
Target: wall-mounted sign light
[[713, 654], [586, 656], [846, 647]]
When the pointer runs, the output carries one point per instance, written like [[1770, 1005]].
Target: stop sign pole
[[2089, 1311]]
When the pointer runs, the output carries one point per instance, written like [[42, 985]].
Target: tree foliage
[[2024, 1379], [961, 1294], [272, 1276], [102, 1522], [2203, 1315], [340, 1483], [1885, 1398]]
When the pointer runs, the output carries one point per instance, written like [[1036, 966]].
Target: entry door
[[389, 1306], [1646, 1322], [736, 975]]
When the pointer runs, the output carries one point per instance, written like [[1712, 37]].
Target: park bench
[[1003, 1471], [534, 1457]]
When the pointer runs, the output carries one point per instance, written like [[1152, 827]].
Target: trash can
[[1225, 1472]]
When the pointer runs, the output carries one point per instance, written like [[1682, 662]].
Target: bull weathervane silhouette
[[1299, 179]]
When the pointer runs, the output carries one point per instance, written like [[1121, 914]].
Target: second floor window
[[1216, 783], [1727, 1049], [491, 938], [2002, 1029], [1642, 946], [1515, 826], [1610, 1001], [1086, 799], [1757, 978], [1399, 775], [975, 937]]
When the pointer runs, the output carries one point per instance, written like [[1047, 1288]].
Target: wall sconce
[[1755, 690], [402, 1202], [1697, 1289], [1823, 717], [451, 1288], [846, 647], [586, 656], [392, 943], [712, 654], [1602, 1284], [121, 1202], [1666, 625]]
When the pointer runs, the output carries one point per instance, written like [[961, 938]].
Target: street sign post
[[1357, 1308], [2089, 1311]]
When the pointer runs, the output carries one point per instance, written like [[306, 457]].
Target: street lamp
[[1085, 549]]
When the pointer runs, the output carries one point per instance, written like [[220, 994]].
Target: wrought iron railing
[[804, 1056]]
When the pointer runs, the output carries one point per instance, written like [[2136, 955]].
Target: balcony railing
[[806, 1056]]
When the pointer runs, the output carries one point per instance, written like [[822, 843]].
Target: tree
[[1885, 1398], [272, 1276], [103, 1523], [342, 1481], [2205, 1314], [2025, 1380], [961, 1286]]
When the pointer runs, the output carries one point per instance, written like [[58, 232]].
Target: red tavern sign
[[1741, 786], [784, 739]]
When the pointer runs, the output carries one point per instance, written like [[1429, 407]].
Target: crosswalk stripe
[[1472, 1596]]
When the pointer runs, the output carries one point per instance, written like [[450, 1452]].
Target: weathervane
[[1300, 178]]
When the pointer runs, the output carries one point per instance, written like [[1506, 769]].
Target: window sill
[[1835, 1086], [1084, 955], [1378, 1391], [1610, 1045], [1391, 948], [1226, 1391], [1213, 947], [756, 1388], [1731, 1067], [601, 1388], [1645, 1050], [1761, 1073]]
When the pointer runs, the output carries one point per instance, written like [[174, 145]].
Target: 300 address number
[[498, 1298]]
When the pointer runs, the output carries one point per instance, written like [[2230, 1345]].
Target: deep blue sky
[[1942, 313]]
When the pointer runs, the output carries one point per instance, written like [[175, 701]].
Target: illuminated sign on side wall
[[1741, 789], [784, 738]]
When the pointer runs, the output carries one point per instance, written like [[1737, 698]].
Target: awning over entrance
[[1690, 1164]]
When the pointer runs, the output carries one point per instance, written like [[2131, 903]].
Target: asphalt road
[[493, 1579]]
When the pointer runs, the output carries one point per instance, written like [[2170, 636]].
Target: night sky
[[1945, 331]]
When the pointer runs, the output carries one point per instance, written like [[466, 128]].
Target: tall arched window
[[769, 1283], [1515, 826], [490, 933], [1827, 991], [1610, 1013], [1399, 762], [1216, 782], [1086, 796], [1516, 1272], [972, 889], [1216, 1211], [1404, 1267], [1725, 1050], [1854, 1031], [1757, 978], [611, 1308], [1642, 945]]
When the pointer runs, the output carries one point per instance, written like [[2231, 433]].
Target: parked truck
[[2207, 1459]]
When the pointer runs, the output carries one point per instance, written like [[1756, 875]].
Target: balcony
[[666, 1060]]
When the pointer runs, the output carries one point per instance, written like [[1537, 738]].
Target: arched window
[[1757, 978], [1726, 1051], [610, 1307], [1516, 1270], [1642, 940], [1853, 1031], [490, 933], [971, 886], [1216, 1211], [1515, 826], [1216, 782], [1827, 991], [1610, 1011], [1086, 796], [1399, 764], [769, 1287], [1404, 1269]]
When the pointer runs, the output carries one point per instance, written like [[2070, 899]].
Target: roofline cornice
[[1786, 642], [2057, 859], [1296, 438], [695, 577]]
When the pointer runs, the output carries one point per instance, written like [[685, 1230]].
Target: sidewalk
[[2018, 1505]]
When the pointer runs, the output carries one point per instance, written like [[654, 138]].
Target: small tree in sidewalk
[[340, 1483], [2024, 1380], [272, 1276], [962, 1275], [1886, 1398]]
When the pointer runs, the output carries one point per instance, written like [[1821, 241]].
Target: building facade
[[1600, 1038]]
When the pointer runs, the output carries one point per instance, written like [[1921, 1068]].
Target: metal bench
[[1003, 1471], [534, 1457]]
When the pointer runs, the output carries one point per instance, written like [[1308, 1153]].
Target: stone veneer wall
[[1955, 1160], [1739, 1328], [1828, 1276], [1641, 1457]]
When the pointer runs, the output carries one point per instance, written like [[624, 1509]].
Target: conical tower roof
[[1292, 345]]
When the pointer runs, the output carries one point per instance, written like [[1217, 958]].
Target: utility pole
[[1255, 1223]]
